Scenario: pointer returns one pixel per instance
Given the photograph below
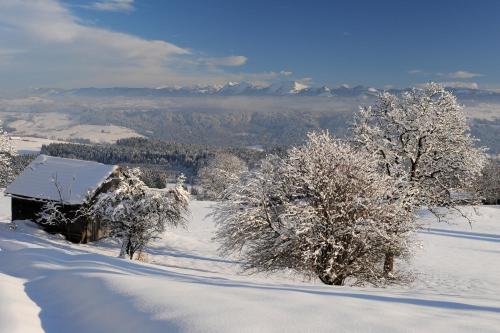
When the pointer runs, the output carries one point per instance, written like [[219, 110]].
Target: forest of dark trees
[[159, 160]]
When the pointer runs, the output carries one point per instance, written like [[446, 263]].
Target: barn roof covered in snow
[[56, 178]]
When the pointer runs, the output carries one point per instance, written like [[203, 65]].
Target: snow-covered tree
[[137, 214], [422, 138], [323, 210], [221, 172], [6, 154], [489, 182]]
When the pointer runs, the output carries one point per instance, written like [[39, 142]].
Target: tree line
[[158, 160]]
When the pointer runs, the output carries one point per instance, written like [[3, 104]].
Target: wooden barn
[[68, 182]]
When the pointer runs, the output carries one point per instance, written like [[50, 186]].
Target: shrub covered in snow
[[222, 171], [137, 214], [323, 210], [52, 213], [489, 182], [6, 154]]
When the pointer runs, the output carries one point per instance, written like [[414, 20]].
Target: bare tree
[[422, 138], [323, 210], [221, 172]]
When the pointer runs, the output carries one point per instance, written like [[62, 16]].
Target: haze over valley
[[235, 114]]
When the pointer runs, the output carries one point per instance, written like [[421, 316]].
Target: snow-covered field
[[60, 126], [30, 145], [48, 284]]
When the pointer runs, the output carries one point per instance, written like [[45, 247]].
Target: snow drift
[[48, 284]]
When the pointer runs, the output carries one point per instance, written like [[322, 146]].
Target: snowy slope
[[186, 287], [30, 145]]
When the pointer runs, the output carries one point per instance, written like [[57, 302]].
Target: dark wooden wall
[[81, 231]]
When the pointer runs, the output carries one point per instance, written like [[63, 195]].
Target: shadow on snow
[[462, 234]]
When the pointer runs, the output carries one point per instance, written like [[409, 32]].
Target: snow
[[286, 87], [30, 145], [62, 126], [47, 175], [16, 307], [52, 285]]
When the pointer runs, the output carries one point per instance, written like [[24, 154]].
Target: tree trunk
[[130, 249], [327, 279], [339, 281], [123, 250], [388, 264]]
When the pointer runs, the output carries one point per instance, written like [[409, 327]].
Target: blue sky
[[164, 42]]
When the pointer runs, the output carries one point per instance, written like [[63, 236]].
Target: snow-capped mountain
[[315, 91], [346, 91], [282, 88], [286, 88], [239, 88]]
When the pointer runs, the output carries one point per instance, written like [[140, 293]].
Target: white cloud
[[461, 84], [55, 48], [260, 78], [305, 80], [454, 75], [230, 61], [286, 73], [113, 5], [463, 75]]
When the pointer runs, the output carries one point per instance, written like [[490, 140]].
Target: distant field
[[62, 127]]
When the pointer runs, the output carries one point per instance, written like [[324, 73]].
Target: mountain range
[[283, 88]]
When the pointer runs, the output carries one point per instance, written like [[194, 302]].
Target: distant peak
[[298, 86]]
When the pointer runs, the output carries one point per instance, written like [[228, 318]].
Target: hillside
[[49, 284]]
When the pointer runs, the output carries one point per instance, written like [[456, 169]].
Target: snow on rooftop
[[56, 178]]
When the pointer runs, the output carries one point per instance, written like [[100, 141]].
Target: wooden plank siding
[[83, 230]]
